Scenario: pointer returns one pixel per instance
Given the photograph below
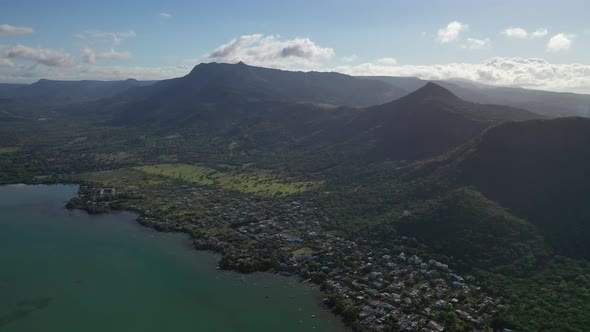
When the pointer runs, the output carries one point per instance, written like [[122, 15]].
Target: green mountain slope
[[539, 170], [215, 83], [259, 110], [423, 124], [509, 207], [477, 232]]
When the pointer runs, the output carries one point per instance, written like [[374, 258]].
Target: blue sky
[[492, 42]]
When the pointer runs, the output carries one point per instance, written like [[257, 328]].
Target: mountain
[[539, 171], [253, 109], [7, 89], [423, 124], [407, 83], [240, 83], [268, 112], [551, 104], [241, 80], [509, 207], [262, 112], [72, 91]]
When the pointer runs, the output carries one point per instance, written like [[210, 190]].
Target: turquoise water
[[67, 271]]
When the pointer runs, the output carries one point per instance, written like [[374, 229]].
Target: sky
[[537, 44]]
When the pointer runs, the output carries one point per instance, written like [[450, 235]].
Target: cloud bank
[[271, 51], [530, 73], [91, 57], [9, 30], [6, 63], [40, 55], [115, 37]]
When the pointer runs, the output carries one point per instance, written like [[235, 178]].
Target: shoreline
[[336, 320]]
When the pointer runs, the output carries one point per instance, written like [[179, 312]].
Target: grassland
[[302, 251], [116, 157], [125, 179], [9, 149], [246, 181]]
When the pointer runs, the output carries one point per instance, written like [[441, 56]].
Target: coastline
[[294, 235], [211, 257]]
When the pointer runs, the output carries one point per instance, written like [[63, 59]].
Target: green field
[[251, 182], [302, 251], [122, 179], [9, 149]]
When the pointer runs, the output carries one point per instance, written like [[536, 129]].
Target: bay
[[66, 271]]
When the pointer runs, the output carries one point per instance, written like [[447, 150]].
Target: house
[[440, 304], [107, 192], [434, 326]]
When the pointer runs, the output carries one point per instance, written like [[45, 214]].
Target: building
[[107, 192]]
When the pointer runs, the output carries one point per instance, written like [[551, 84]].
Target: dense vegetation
[[545, 181], [503, 201]]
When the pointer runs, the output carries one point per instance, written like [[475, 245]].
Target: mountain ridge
[[548, 103]]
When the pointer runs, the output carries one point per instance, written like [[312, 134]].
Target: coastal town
[[373, 288]]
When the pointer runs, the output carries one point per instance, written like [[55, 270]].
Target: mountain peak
[[219, 68], [42, 81], [431, 91]]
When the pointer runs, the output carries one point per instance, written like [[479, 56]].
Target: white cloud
[[478, 44], [175, 60], [40, 55], [520, 33], [115, 37], [104, 40], [235, 47], [528, 73], [514, 32], [6, 63], [90, 56], [349, 59], [115, 55], [559, 42], [190, 62], [165, 15], [387, 61], [452, 32], [271, 51], [9, 30], [540, 32]]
